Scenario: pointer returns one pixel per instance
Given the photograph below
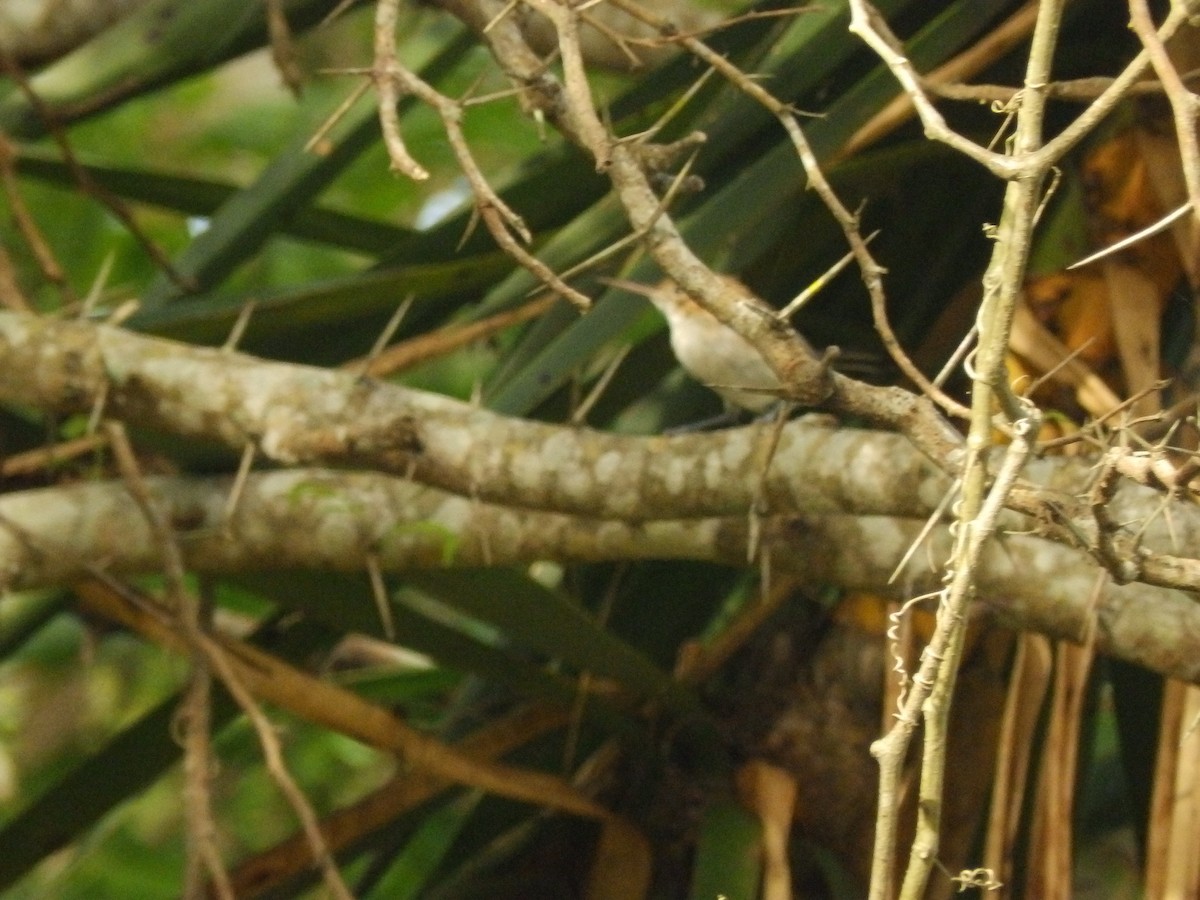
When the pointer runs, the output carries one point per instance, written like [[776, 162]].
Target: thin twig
[[194, 711], [1184, 104], [1149, 231], [52, 271], [994, 45], [86, 182], [208, 656], [283, 47], [11, 295], [501, 220]]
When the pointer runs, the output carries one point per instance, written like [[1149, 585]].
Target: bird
[[710, 351]]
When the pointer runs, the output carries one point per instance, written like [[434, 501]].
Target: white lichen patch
[[620, 486], [575, 478], [526, 469], [608, 466], [874, 469], [337, 533], [677, 475], [454, 514], [260, 397], [715, 470], [560, 449], [736, 452], [890, 539], [454, 444]]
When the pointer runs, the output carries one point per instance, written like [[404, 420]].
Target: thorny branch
[[1025, 163], [867, 22], [337, 520], [872, 271], [390, 78], [806, 377], [976, 511]]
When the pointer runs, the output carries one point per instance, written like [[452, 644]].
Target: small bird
[[712, 352]]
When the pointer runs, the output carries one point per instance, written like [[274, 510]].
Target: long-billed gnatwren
[[712, 352]]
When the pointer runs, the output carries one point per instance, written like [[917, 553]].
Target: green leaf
[[728, 855], [159, 43], [410, 872], [297, 175], [538, 618], [201, 197]]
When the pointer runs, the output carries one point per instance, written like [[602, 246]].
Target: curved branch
[[323, 519], [301, 415], [305, 415]]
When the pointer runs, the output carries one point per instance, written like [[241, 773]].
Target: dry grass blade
[[328, 705], [1050, 870], [275, 867], [1028, 684], [770, 793], [424, 347], [1171, 858]]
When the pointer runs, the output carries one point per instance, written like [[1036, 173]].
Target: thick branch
[[322, 519], [304, 415]]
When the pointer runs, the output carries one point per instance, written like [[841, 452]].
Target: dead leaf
[[770, 793]]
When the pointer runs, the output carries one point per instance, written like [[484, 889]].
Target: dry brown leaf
[[1123, 200], [1029, 682], [622, 865], [1034, 343], [770, 793], [1110, 312], [1172, 863], [1136, 310], [1165, 174], [1051, 841]]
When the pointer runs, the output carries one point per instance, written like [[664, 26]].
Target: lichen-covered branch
[[304, 415], [300, 415], [323, 519]]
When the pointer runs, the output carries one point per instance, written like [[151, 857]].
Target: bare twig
[[501, 220], [86, 182], [194, 711], [1184, 104], [28, 227], [998, 41], [283, 47], [207, 656], [866, 22], [215, 656]]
